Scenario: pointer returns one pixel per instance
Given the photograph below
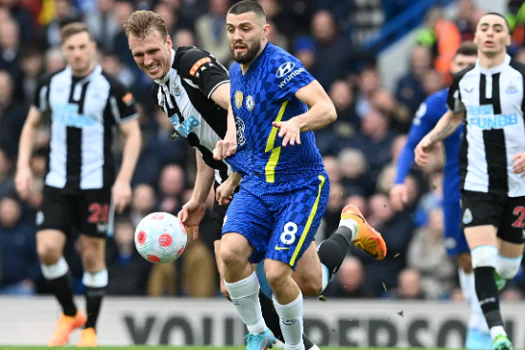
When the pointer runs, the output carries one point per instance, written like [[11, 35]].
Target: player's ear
[[169, 42], [266, 30]]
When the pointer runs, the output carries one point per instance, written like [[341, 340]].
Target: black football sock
[[332, 252], [93, 303], [272, 319], [63, 290], [95, 283], [488, 295]]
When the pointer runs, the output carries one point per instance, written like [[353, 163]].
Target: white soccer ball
[[160, 238]]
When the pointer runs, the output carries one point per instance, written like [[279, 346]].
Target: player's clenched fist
[[422, 150], [121, 193], [518, 163], [224, 193], [398, 196], [289, 131], [224, 149], [24, 182], [191, 216]]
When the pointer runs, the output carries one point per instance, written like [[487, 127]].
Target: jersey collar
[[493, 70], [167, 76], [96, 71]]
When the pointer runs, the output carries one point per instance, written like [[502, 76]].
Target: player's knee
[[277, 273], [508, 267], [48, 252], [309, 286], [231, 257], [233, 250]]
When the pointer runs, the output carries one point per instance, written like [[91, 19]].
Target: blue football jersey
[[266, 93], [427, 116]]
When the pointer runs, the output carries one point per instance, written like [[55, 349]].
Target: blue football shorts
[[279, 220]]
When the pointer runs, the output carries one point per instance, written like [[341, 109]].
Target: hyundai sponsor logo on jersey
[[286, 70], [484, 118], [186, 127]]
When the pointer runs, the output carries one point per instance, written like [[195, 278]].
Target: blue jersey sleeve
[[287, 75], [425, 119]]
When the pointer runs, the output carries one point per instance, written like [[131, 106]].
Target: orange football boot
[[88, 338], [66, 325], [368, 239]]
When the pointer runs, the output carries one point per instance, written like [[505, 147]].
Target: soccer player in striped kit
[[85, 105], [489, 98], [427, 116]]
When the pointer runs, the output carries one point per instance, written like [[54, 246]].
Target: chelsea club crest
[[250, 102]]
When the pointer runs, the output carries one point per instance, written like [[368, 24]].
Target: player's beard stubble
[[249, 56]]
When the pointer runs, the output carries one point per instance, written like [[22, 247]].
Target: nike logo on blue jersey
[[282, 248]]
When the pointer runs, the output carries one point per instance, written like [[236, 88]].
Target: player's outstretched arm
[[425, 119], [130, 155], [444, 128], [203, 180], [24, 177], [321, 112], [192, 212], [228, 146]]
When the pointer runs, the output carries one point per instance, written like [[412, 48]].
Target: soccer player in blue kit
[[284, 189], [429, 113]]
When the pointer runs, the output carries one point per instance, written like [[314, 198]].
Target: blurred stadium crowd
[[360, 150]]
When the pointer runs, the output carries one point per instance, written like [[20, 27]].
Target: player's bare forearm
[[235, 179], [320, 115], [321, 110], [25, 145], [221, 95], [231, 131], [446, 126], [131, 150], [203, 180]]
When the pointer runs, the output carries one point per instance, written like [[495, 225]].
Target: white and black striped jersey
[[184, 94], [493, 102], [83, 112]]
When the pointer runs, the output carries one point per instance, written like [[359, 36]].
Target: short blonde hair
[[74, 28], [143, 22]]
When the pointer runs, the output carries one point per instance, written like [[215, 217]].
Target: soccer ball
[[160, 238]]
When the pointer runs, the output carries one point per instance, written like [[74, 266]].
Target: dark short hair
[[248, 6], [499, 15], [467, 48], [74, 28]]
